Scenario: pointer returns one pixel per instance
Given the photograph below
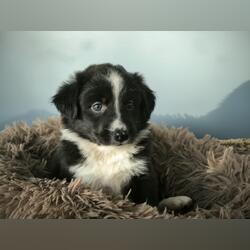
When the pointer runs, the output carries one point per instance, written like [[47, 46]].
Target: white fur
[[117, 84], [109, 166]]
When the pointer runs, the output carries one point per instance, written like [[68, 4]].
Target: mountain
[[230, 120], [27, 117]]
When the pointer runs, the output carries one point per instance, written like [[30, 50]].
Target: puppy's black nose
[[120, 135]]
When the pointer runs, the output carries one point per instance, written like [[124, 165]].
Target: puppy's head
[[105, 104]]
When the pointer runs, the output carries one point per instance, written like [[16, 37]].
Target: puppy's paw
[[180, 204]]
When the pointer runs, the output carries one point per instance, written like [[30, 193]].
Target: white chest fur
[[108, 167]]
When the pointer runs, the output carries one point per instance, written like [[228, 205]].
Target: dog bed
[[216, 174]]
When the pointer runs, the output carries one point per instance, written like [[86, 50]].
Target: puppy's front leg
[[144, 188]]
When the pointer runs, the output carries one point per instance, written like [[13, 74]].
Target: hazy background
[[191, 72]]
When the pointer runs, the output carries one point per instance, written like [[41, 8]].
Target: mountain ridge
[[231, 119]]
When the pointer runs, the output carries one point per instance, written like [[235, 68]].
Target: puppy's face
[[105, 104]]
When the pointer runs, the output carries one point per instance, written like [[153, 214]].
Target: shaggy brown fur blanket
[[215, 174]]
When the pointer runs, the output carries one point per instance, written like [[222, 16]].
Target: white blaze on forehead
[[117, 85]]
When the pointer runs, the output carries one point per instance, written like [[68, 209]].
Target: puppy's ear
[[66, 99], [148, 102]]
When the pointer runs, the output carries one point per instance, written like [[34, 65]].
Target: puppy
[[105, 140]]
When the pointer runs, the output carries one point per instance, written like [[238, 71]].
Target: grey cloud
[[191, 72]]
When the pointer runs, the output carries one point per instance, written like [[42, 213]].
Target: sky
[[190, 71]]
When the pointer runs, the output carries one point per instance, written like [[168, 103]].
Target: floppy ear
[[66, 99], [148, 102]]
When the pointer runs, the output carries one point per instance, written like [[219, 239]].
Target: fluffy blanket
[[216, 174]]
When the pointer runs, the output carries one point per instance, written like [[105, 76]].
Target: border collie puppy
[[105, 138]]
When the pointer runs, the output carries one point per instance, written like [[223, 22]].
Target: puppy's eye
[[130, 105], [97, 107]]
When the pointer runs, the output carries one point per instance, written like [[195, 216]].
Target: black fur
[[74, 100]]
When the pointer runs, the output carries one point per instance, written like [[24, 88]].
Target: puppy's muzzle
[[120, 135]]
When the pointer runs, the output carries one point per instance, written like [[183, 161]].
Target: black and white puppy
[[105, 138]]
